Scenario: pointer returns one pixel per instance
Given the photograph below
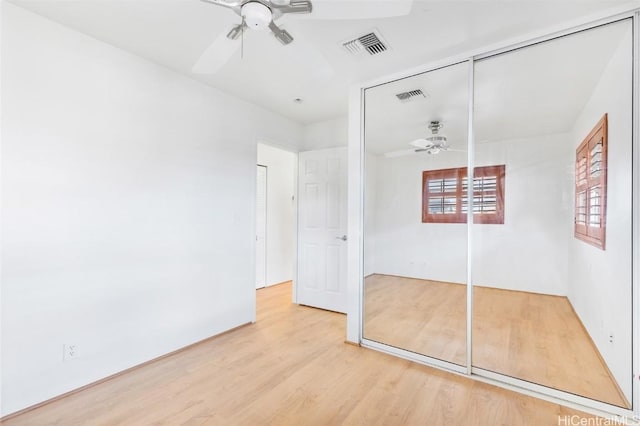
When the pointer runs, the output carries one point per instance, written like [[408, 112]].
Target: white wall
[[325, 134], [128, 197], [533, 236], [600, 281], [281, 178], [528, 252]]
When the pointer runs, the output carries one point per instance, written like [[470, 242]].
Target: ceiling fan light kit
[[433, 150]]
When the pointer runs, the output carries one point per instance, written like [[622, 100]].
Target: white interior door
[[322, 229], [261, 227]]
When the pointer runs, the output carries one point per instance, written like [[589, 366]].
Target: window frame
[[460, 193], [583, 230]]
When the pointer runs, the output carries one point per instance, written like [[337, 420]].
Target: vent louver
[[411, 95], [371, 43]]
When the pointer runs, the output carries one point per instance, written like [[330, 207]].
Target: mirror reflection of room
[[552, 285], [415, 298], [551, 243]]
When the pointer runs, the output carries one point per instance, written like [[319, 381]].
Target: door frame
[[266, 201]]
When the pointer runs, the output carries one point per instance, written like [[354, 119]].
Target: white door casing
[[261, 226], [322, 228]]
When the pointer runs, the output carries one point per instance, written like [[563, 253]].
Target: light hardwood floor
[[534, 337], [291, 368]]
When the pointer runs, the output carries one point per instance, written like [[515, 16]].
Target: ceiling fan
[[431, 144], [262, 14]]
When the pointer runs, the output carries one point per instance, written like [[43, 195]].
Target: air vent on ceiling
[[411, 95], [371, 43]]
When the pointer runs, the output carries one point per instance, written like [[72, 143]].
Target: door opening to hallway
[[275, 215]]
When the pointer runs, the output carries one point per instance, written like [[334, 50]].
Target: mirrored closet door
[[415, 292], [552, 278], [549, 249]]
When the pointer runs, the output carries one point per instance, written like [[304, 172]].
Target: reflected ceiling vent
[[371, 43], [411, 95]]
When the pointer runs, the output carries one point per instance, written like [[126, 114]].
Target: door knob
[[343, 238]]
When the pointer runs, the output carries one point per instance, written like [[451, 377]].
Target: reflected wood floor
[[534, 337], [291, 368]]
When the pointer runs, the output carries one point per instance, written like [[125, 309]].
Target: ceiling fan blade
[[421, 143], [359, 9], [216, 55], [231, 4], [281, 35], [308, 55], [400, 153], [293, 6]]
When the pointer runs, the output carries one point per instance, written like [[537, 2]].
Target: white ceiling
[[532, 91], [174, 33]]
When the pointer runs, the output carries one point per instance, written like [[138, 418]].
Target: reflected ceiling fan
[[431, 144], [262, 14]]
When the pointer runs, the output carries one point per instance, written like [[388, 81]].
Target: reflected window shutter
[[445, 195], [591, 186]]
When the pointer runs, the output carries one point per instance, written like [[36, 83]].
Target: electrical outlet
[[611, 337], [69, 352]]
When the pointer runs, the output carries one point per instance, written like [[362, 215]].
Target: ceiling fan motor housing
[[256, 15], [437, 139]]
